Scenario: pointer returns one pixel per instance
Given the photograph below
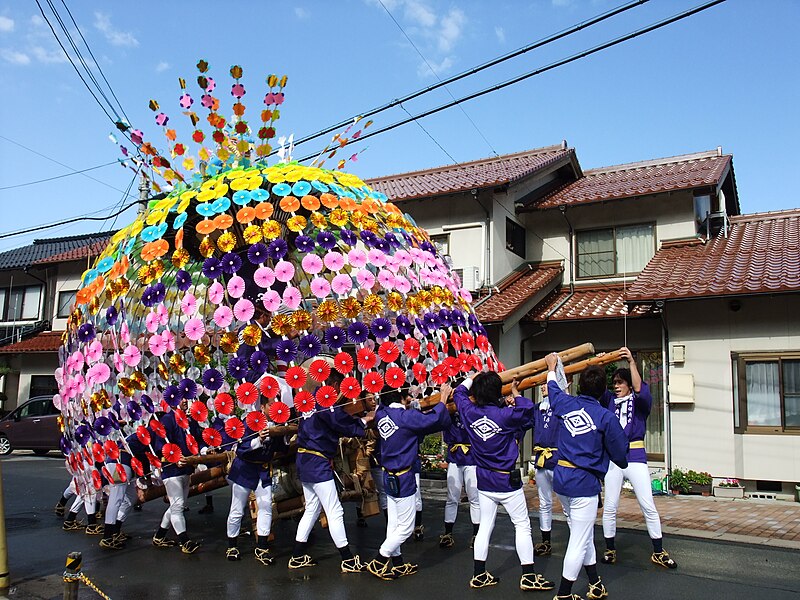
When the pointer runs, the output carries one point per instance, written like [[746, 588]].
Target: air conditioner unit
[[470, 277]]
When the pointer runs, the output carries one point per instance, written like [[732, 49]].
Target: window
[[614, 251], [515, 238], [766, 393], [38, 408], [66, 300], [21, 303], [43, 385], [442, 243]]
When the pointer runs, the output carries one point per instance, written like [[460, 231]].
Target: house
[[654, 255], [38, 283]]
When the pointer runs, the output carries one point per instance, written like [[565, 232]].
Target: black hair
[[625, 375], [593, 381], [389, 395], [487, 389]]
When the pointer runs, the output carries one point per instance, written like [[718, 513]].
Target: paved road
[[38, 547]]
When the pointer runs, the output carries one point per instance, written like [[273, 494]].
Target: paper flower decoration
[[256, 420], [304, 401], [234, 428], [296, 377], [223, 403], [171, 453], [373, 382], [326, 396], [279, 412], [269, 387], [212, 437], [343, 363], [350, 388], [246, 393]]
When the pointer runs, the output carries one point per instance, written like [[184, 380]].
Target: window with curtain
[[65, 302], [21, 303], [766, 393], [614, 250]]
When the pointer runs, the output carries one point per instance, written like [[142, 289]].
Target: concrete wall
[[67, 279], [702, 434]]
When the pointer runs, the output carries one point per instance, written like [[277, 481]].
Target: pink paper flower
[[244, 310], [236, 287], [216, 292], [132, 356], [98, 374], [402, 284], [94, 352], [342, 284], [386, 279], [194, 329], [223, 316], [151, 321], [405, 259], [284, 271], [271, 300], [188, 305], [392, 263], [376, 257], [169, 340], [157, 345], [429, 259], [125, 334], [264, 277], [365, 279], [312, 264], [464, 293], [334, 261], [292, 297], [75, 361], [357, 258], [320, 287], [163, 314], [119, 363]]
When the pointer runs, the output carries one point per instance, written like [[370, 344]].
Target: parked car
[[31, 426]]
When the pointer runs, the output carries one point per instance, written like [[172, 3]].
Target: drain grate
[[762, 496]]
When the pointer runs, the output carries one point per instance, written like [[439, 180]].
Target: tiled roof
[[487, 172], [518, 289], [636, 179], [595, 302], [47, 341], [761, 255], [92, 249], [41, 250]]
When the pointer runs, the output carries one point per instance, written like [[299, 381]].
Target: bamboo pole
[[567, 356], [578, 367]]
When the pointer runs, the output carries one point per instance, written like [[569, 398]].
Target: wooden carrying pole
[[578, 367], [567, 356]]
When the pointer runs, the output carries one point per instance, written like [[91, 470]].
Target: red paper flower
[[88, 455], [212, 437], [296, 377], [180, 418], [465, 364], [121, 474], [326, 396], [444, 345], [224, 403], [256, 420], [389, 352], [158, 428], [411, 348], [477, 363], [373, 382], [420, 372], [304, 401], [198, 411], [432, 351], [106, 474], [453, 366], [97, 453], [467, 341], [111, 449], [136, 467], [483, 343], [343, 363], [234, 428], [191, 444], [500, 366], [319, 370], [153, 459], [270, 387], [455, 340], [395, 377], [366, 358], [171, 453], [439, 374], [279, 412], [96, 479], [246, 393], [350, 388]]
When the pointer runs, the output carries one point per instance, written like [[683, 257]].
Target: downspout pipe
[[661, 305], [487, 261]]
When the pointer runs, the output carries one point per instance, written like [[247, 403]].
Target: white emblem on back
[[578, 422], [485, 428], [386, 427]]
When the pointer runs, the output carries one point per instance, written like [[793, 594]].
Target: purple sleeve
[[521, 414], [643, 401], [461, 398], [344, 424], [616, 443], [556, 395], [429, 422], [607, 400]]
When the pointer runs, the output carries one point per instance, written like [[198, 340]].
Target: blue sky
[[720, 78]]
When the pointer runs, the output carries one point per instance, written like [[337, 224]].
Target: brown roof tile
[[89, 250], [517, 289], [47, 341], [761, 255], [460, 177], [595, 302], [636, 179]]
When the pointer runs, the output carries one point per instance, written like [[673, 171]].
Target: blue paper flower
[[90, 276], [204, 209], [242, 197], [301, 188], [83, 434], [105, 264], [445, 318], [259, 195], [318, 185], [357, 333], [474, 325], [281, 189], [432, 321], [220, 205], [180, 220]]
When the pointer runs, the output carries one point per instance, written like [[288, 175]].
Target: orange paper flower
[[246, 214], [310, 202], [206, 226], [289, 204], [264, 210]]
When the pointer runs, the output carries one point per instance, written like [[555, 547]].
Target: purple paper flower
[[445, 318], [257, 253], [404, 326], [392, 240], [381, 244], [286, 350], [277, 249], [103, 426], [326, 239], [259, 361], [381, 327], [147, 402], [421, 326], [474, 325], [111, 315], [426, 245], [357, 333], [86, 332], [458, 317], [231, 262], [368, 238], [335, 337], [304, 244], [348, 237], [134, 410], [188, 388], [66, 445], [212, 379], [173, 395], [432, 321], [83, 434], [237, 367], [183, 280], [309, 345], [211, 268]]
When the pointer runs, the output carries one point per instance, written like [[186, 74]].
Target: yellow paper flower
[[177, 364], [139, 379], [126, 387], [274, 176], [394, 301], [357, 219], [202, 354], [318, 220], [206, 194], [254, 181], [239, 183], [94, 305], [424, 297], [145, 274], [338, 217], [251, 335], [351, 308], [301, 319], [207, 247], [252, 234], [412, 305], [296, 223], [226, 242], [328, 311], [281, 324], [180, 257], [373, 305], [271, 229], [158, 268]]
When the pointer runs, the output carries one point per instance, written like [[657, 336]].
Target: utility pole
[[144, 193]]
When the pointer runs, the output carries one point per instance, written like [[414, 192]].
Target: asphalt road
[[38, 548]]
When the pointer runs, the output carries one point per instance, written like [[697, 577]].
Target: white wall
[[702, 434], [68, 278]]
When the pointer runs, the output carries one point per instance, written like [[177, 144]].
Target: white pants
[[377, 477], [70, 490], [88, 502], [239, 497], [581, 515], [177, 493], [639, 476], [517, 509], [418, 495], [399, 524], [544, 485], [318, 497], [121, 497], [458, 477]]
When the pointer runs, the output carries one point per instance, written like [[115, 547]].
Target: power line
[[19, 185], [528, 75], [433, 139], [533, 46], [433, 71]]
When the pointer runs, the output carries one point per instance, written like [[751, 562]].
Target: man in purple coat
[[493, 425], [631, 405], [545, 457]]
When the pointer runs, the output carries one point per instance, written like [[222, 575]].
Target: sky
[[726, 77]]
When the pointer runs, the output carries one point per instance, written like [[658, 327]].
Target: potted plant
[[699, 483], [729, 488], [678, 483]]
